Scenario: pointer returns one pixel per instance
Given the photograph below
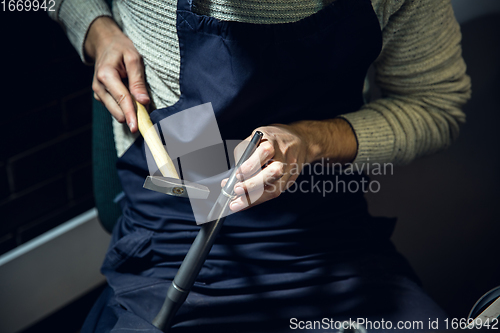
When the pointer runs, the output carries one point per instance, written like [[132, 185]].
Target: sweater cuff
[[77, 16], [374, 136]]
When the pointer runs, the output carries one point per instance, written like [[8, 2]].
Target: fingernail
[[143, 96], [131, 125], [239, 190], [236, 206], [239, 176]]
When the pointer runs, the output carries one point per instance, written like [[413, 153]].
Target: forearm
[[422, 77], [331, 139]]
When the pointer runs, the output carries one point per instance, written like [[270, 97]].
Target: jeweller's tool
[[197, 254], [486, 311], [170, 183]]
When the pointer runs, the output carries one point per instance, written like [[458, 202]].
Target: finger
[[267, 176], [254, 194], [253, 198], [269, 173], [245, 199], [264, 186], [102, 95], [136, 77], [112, 82], [97, 98], [255, 185], [253, 164], [263, 154]]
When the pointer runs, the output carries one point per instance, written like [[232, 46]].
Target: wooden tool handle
[[148, 131]]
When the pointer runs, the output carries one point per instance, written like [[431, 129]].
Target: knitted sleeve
[[421, 74], [76, 16]]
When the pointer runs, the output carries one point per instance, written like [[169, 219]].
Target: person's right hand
[[116, 59]]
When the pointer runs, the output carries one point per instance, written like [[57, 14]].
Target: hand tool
[[170, 183], [486, 311], [197, 254]]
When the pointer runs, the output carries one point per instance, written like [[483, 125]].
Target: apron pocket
[[130, 246]]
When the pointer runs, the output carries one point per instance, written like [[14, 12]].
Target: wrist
[[100, 32], [333, 139]]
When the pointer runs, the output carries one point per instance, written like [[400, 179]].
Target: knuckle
[[120, 99], [119, 117], [139, 84], [101, 75], [250, 184], [267, 149], [260, 129], [128, 113], [115, 112], [278, 170], [133, 58]]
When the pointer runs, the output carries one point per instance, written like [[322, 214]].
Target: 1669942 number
[[27, 5], [478, 323]]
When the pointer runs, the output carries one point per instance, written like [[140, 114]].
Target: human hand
[[282, 154], [272, 168], [116, 60]]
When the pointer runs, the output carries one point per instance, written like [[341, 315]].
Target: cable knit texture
[[420, 70]]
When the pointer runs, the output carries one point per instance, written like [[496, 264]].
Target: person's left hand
[[281, 155], [272, 168]]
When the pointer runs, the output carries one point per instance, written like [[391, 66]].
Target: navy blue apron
[[307, 256]]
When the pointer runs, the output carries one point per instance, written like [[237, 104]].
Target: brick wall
[[45, 146]]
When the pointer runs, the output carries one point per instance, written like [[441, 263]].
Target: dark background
[[447, 203], [45, 152]]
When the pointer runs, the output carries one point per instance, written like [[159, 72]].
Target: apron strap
[[184, 5]]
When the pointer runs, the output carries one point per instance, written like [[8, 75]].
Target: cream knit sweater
[[420, 70]]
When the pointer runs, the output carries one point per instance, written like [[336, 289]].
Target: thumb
[[136, 79]]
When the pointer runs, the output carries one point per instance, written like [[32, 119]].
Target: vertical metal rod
[[198, 252]]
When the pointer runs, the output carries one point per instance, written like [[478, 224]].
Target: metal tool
[[486, 311], [176, 187], [197, 254], [170, 183]]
